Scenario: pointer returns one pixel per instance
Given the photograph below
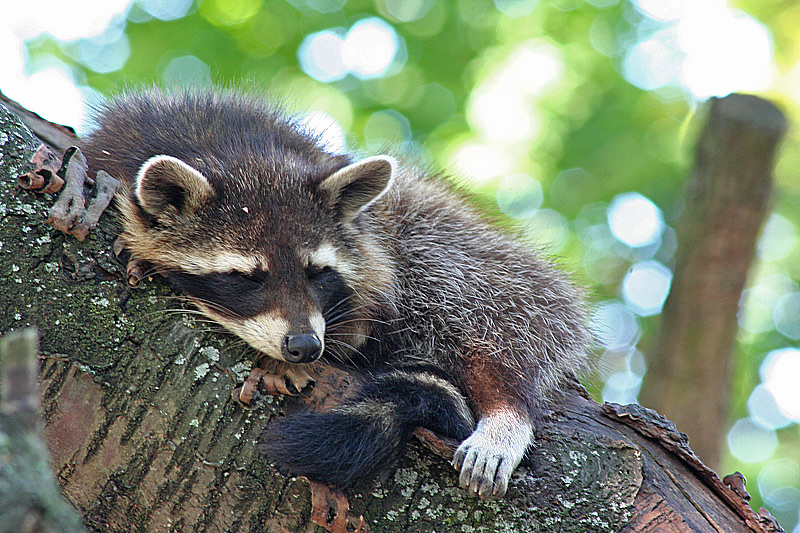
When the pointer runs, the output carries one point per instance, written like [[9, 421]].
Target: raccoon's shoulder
[[422, 194]]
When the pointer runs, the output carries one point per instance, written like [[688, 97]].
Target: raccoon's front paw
[[135, 268], [485, 471], [291, 382], [299, 380], [489, 456]]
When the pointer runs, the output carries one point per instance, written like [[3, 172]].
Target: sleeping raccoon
[[367, 263]]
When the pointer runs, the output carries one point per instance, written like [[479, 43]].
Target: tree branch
[[144, 433]]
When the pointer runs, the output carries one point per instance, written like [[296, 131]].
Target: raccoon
[[367, 263]]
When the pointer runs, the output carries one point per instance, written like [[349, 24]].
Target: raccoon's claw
[[299, 380], [293, 382], [134, 272], [135, 268], [484, 471], [331, 510], [489, 456]]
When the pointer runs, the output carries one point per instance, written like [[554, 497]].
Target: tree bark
[[728, 199], [144, 434]]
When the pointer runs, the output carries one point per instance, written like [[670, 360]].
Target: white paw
[[489, 456]]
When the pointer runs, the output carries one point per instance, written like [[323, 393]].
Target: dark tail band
[[367, 433]]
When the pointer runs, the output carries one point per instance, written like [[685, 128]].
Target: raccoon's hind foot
[[331, 510], [489, 456], [287, 380], [135, 268]]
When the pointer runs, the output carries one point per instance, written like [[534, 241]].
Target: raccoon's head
[[276, 255]]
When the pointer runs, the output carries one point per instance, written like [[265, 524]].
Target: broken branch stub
[[44, 177], [104, 189], [69, 206]]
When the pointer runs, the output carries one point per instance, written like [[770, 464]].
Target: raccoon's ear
[[354, 187], [167, 187]]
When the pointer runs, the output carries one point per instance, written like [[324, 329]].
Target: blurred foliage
[[589, 134]]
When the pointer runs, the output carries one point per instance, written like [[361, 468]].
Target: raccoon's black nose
[[301, 348]]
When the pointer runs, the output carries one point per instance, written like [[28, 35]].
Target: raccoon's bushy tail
[[368, 432]]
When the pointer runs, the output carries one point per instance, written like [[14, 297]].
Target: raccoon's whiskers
[[341, 356], [340, 303], [152, 271], [367, 337], [216, 307], [337, 318]]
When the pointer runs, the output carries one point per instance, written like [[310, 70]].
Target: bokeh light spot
[[519, 195], [646, 286], [66, 21], [764, 409], [166, 9], [104, 57], [622, 388], [480, 162], [750, 442], [786, 315], [516, 8], [320, 56], [186, 71], [780, 372], [662, 10], [548, 230], [369, 48], [407, 10], [704, 46], [635, 220], [778, 483], [229, 12], [367, 51], [384, 128], [68, 108], [778, 239], [320, 6], [759, 304], [615, 326]]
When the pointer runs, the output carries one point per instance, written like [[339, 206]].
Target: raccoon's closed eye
[[315, 271], [257, 276]]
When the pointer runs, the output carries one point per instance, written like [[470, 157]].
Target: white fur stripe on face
[[213, 263], [318, 325], [324, 256], [264, 332]]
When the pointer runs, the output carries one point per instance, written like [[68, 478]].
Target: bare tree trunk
[[30, 498], [145, 437], [728, 199]]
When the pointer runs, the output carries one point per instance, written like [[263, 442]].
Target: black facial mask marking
[[231, 294], [330, 292], [239, 295]]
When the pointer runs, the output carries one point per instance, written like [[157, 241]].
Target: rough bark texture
[[145, 437], [728, 199]]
